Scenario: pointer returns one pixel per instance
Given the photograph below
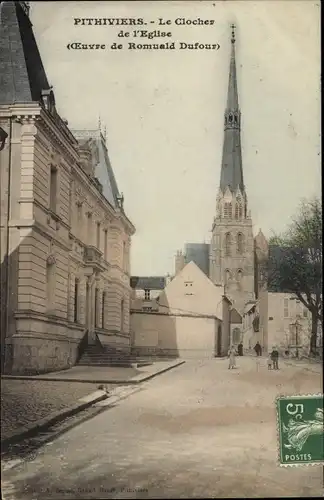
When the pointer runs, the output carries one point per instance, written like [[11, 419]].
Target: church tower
[[232, 245]]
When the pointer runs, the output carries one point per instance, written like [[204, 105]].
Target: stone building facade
[[65, 237]]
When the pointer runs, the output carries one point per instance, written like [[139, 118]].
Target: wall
[[178, 336], [276, 321]]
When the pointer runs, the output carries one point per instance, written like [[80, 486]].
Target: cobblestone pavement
[[26, 401], [200, 430]]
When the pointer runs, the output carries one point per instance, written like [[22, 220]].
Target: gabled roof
[[22, 74], [102, 166], [249, 306], [236, 317], [192, 292]]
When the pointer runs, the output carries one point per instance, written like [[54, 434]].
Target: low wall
[[167, 335]]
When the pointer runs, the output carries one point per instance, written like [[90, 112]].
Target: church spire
[[232, 171]]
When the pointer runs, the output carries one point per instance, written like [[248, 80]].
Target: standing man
[[258, 349], [275, 357]]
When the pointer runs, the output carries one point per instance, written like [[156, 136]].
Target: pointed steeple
[[232, 95], [232, 171], [22, 75]]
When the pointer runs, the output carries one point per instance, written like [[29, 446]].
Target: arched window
[[53, 189], [228, 243], [227, 276], [240, 243], [235, 119], [230, 118], [228, 210], [239, 279]]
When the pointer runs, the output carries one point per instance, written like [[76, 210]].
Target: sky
[[164, 109]]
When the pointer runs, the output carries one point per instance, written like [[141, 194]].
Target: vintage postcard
[[161, 249]]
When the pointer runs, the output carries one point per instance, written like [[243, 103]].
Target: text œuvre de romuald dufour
[[140, 34]]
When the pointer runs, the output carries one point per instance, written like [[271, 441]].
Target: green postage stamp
[[300, 428]]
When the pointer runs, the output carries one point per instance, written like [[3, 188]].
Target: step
[[104, 356], [104, 363]]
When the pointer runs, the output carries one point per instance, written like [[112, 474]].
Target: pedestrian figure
[[240, 349], [258, 349], [269, 362], [231, 355], [275, 356]]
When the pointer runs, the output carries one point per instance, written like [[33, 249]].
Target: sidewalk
[[30, 403], [103, 374]]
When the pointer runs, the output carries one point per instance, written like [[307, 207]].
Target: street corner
[[300, 430]]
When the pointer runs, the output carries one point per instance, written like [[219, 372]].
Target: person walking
[[231, 355], [269, 362], [275, 357], [240, 349], [258, 349]]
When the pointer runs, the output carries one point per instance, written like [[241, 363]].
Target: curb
[[142, 378], [31, 429], [135, 380]]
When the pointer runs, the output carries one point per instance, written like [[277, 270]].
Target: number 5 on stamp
[[300, 430]]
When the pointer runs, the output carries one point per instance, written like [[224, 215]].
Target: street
[[199, 430]]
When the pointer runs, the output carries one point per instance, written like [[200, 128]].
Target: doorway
[[219, 341], [89, 310]]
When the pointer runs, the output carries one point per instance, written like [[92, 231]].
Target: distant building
[[65, 237], [191, 321], [145, 291]]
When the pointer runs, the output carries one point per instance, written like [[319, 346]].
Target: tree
[[295, 262]]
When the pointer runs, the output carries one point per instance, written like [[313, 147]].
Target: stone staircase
[[99, 355]]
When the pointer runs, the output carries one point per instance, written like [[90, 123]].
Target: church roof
[[232, 170], [22, 77], [199, 254]]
